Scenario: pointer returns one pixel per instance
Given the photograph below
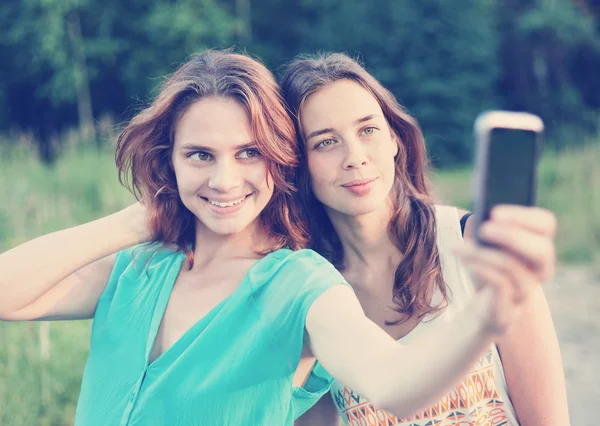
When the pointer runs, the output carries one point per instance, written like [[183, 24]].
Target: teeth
[[229, 204]]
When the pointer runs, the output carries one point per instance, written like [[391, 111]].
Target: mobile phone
[[508, 146]]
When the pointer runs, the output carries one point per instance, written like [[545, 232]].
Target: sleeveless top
[[481, 398], [233, 367]]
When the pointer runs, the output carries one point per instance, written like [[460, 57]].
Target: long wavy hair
[[412, 227], [144, 148]]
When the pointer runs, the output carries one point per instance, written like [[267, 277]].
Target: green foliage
[[36, 199], [437, 57], [543, 46], [40, 390], [115, 51], [445, 61]]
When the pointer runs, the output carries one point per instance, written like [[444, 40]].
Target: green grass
[[39, 383], [35, 200], [38, 387]]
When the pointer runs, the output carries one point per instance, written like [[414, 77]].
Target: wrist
[[132, 222]]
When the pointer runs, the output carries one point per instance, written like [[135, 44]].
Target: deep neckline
[[175, 350]]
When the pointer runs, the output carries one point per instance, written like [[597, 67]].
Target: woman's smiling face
[[221, 176]]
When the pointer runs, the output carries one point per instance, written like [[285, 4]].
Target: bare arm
[[533, 366], [398, 378], [529, 349], [405, 378], [61, 275]]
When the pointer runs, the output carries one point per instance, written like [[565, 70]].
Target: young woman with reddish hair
[[362, 180], [202, 303]]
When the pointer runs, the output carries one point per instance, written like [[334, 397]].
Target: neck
[[211, 246], [365, 239]]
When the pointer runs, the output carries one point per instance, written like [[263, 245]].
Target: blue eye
[[200, 156], [369, 130], [325, 143], [248, 154]]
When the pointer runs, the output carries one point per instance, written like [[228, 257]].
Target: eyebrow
[[194, 147], [329, 129]]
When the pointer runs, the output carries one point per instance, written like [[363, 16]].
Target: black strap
[[463, 222]]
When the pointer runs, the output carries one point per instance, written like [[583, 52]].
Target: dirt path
[[574, 299]]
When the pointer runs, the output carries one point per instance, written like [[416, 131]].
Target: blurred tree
[[77, 59], [281, 29], [550, 58], [437, 57], [33, 35], [72, 61]]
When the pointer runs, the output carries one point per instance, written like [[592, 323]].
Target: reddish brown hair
[[412, 226], [144, 148]]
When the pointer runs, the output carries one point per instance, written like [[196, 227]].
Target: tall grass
[[39, 381]]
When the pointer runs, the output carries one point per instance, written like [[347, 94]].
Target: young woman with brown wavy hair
[[200, 299], [362, 180]]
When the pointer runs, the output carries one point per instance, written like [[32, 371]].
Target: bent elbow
[[10, 317]]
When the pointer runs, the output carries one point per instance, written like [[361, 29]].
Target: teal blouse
[[233, 367]]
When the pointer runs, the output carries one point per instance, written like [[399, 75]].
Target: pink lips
[[226, 210], [360, 186]]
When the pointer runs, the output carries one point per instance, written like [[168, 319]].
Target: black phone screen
[[511, 164]]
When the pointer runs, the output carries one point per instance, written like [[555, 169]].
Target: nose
[[225, 177], [356, 155]]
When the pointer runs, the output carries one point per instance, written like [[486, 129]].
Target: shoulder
[[462, 212], [316, 269], [300, 269], [305, 260], [453, 216], [284, 286], [466, 222], [136, 259], [136, 266], [449, 210]]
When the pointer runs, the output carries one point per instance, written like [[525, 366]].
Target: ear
[[397, 143]]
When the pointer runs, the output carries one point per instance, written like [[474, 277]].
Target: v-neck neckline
[[183, 342]]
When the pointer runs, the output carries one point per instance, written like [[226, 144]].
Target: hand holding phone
[[507, 153]]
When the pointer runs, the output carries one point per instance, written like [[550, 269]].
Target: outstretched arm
[[398, 378], [405, 378]]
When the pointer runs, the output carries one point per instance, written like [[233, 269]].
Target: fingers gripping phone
[[507, 152]]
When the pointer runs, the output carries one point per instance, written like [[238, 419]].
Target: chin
[[360, 210], [227, 228], [361, 206]]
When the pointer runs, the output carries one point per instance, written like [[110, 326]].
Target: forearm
[[31, 269], [416, 376], [536, 405], [533, 367], [401, 379]]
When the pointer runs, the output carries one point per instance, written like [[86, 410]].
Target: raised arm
[[529, 349], [405, 378], [61, 275], [398, 378]]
